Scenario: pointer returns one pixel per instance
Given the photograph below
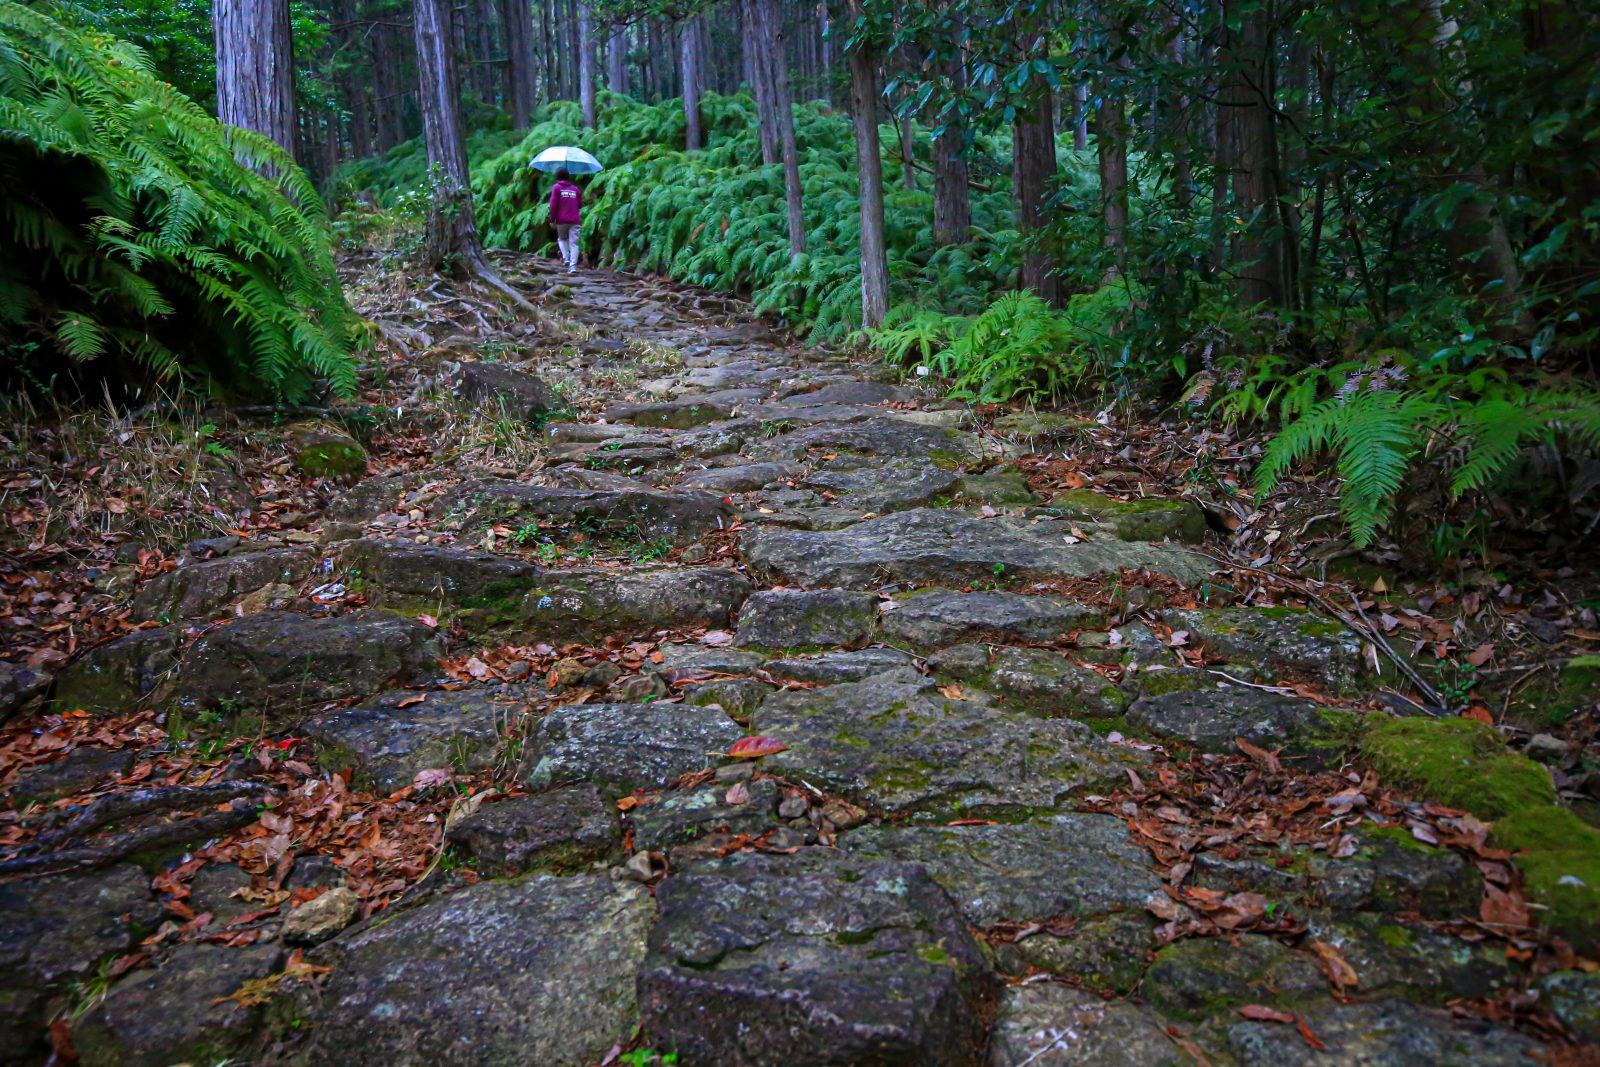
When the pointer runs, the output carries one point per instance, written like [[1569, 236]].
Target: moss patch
[[1459, 762], [1559, 856]]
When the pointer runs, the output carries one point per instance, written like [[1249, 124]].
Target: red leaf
[[1308, 1037], [756, 747], [1262, 1013]]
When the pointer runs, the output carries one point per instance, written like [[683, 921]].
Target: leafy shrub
[[139, 237]]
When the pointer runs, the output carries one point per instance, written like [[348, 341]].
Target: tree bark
[[586, 50], [689, 68], [869, 167], [952, 201], [775, 34], [1111, 151], [516, 16], [1252, 163], [1080, 116], [759, 62], [255, 67], [452, 226], [617, 60], [1034, 145]]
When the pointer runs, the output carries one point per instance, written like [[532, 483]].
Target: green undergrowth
[[715, 217], [140, 239], [1463, 763]]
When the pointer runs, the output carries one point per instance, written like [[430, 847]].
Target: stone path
[[816, 555]]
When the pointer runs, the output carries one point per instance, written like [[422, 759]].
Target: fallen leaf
[[1480, 713], [408, 701], [429, 621], [737, 794], [756, 747], [432, 776], [627, 803], [1480, 655], [1264, 1014], [1340, 974]]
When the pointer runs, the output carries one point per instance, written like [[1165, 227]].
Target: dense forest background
[[1368, 226]]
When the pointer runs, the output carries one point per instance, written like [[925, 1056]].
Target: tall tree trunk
[[689, 66], [1080, 116], [1252, 163], [586, 49], [388, 90], [759, 62], [452, 226], [774, 34], [617, 59], [517, 18], [908, 153], [1111, 150], [827, 50], [869, 167], [1033, 136], [255, 67], [952, 201]]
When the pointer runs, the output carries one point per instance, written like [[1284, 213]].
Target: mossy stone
[[1006, 487], [1460, 762], [1150, 519], [324, 451], [1559, 856]]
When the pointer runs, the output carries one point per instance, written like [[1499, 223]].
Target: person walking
[[566, 212]]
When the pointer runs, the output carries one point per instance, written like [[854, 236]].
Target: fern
[[138, 234]]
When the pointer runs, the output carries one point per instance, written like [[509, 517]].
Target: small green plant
[[648, 1057]]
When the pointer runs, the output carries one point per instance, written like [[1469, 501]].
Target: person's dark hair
[[562, 175]]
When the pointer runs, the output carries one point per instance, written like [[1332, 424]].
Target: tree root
[[201, 827], [117, 807]]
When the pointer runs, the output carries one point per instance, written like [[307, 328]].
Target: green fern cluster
[[1018, 347], [715, 217], [1378, 436], [140, 238]]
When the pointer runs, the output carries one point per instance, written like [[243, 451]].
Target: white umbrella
[[575, 160]]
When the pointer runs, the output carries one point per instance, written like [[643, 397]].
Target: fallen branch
[[180, 831], [118, 807]]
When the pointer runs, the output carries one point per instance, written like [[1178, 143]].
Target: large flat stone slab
[[678, 517], [1276, 643], [390, 739], [564, 829], [794, 618], [936, 618], [1070, 866], [871, 435], [405, 577], [930, 545], [880, 485], [1387, 1033], [594, 603], [812, 959], [536, 971], [894, 744], [201, 590], [623, 747], [1055, 1025]]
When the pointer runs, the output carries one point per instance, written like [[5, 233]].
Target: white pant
[[567, 241]]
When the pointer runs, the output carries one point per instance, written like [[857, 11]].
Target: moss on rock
[[1460, 762]]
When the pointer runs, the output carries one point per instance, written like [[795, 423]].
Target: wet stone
[[893, 744], [1392, 873], [831, 668], [1048, 683], [739, 697], [623, 747], [279, 662], [1053, 1025], [152, 1019], [880, 485], [78, 770], [938, 617], [642, 516], [1062, 867], [1385, 1033], [118, 676], [539, 970], [930, 545], [799, 619], [742, 479], [389, 740], [201, 590], [813, 958], [1107, 953], [679, 817], [564, 829], [1198, 977], [1392, 956], [1210, 719], [1276, 643]]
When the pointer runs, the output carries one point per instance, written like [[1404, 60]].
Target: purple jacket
[[566, 203]]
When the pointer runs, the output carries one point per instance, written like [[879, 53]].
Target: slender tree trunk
[[908, 153], [827, 50], [517, 18], [869, 167], [617, 60], [952, 201], [452, 227], [1252, 164], [1080, 116], [689, 65], [759, 61], [775, 34], [1034, 144], [255, 67], [586, 49], [1111, 150]]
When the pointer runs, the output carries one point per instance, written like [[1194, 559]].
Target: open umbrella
[[576, 160]]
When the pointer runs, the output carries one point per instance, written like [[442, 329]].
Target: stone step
[[622, 515]]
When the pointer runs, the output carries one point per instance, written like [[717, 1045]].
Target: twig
[[1282, 689], [199, 828]]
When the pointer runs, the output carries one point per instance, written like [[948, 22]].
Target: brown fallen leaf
[[755, 747], [1262, 1013], [1340, 974]]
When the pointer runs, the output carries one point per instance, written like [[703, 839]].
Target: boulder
[[793, 618], [166, 1016], [201, 590], [389, 739], [495, 386], [371, 497], [1060, 867], [321, 917], [895, 745], [623, 747], [276, 662], [409, 578], [539, 970], [325, 451], [929, 545], [564, 829], [934, 618], [810, 959]]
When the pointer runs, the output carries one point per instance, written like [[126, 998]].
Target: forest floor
[[652, 684]]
